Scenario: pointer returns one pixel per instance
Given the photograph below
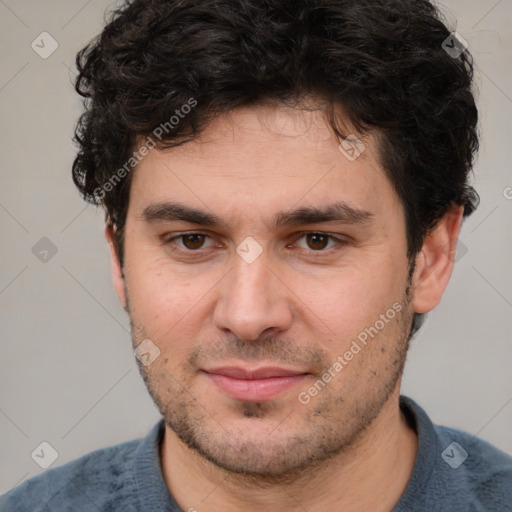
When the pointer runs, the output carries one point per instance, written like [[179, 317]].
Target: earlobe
[[434, 263], [117, 271]]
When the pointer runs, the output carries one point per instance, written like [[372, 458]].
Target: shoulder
[[485, 470], [455, 470], [86, 483]]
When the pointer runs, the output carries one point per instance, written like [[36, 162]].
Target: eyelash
[[198, 252]]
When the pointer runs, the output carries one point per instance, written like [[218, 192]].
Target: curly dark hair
[[382, 61]]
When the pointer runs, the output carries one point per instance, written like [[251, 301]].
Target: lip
[[254, 385]]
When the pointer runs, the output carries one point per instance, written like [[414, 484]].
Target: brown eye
[[193, 241], [317, 241]]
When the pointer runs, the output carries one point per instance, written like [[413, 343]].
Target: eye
[[319, 242], [189, 241], [313, 242]]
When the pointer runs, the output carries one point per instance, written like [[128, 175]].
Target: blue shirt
[[453, 472]]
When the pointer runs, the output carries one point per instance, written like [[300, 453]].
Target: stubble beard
[[330, 425]]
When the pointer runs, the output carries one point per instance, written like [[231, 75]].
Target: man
[[284, 184]]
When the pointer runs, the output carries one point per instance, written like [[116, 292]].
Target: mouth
[[254, 385]]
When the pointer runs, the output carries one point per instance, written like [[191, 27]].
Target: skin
[[298, 305]]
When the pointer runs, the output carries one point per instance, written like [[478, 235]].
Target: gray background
[[67, 371]]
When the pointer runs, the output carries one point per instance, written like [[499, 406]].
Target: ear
[[117, 271], [434, 263]]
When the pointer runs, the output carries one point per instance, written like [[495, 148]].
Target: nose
[[253, 300]]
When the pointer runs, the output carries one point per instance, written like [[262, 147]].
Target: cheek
[[167, 305], [349, 300]]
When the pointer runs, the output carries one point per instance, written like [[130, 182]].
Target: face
[[270, 272]]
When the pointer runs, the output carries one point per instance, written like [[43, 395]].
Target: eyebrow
[[339, 212]]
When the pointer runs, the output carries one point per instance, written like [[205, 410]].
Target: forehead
[[268, 158], [274, 131]]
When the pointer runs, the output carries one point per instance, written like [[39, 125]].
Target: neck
[[371, 474]]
